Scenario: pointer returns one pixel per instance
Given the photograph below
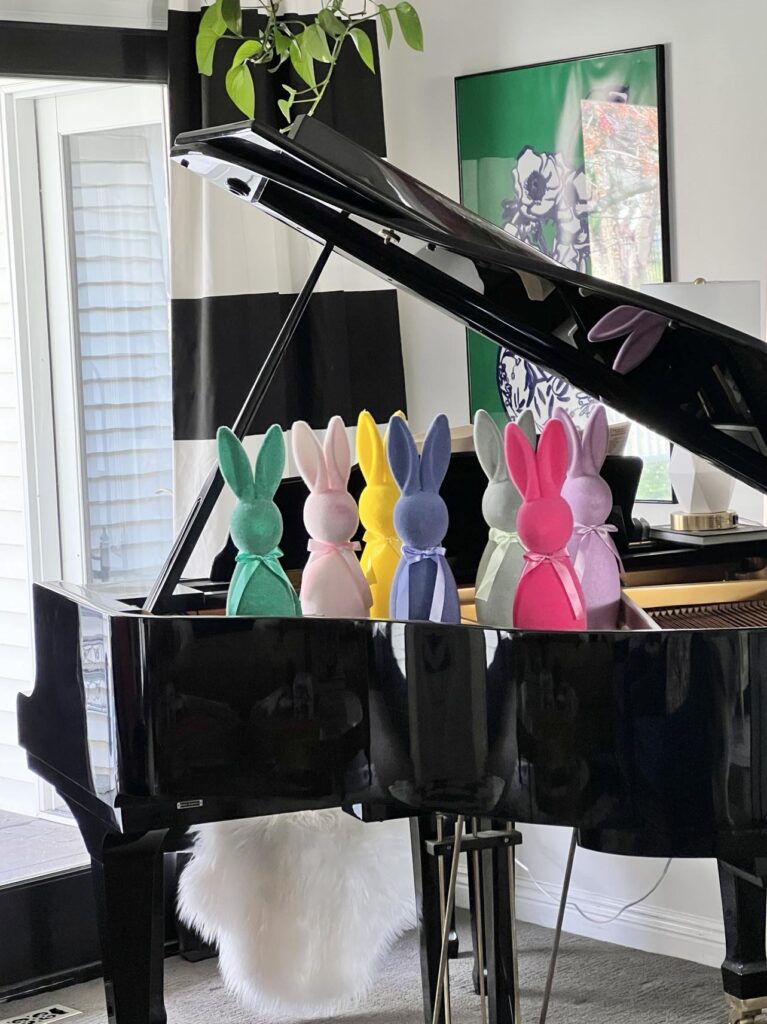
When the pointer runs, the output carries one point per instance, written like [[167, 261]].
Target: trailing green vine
[[312, 44]]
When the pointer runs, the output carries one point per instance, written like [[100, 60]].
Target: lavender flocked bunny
[[502, 561], [592, 550], [424, 586]]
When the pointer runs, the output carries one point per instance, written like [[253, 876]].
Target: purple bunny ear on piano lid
[[644, 329]]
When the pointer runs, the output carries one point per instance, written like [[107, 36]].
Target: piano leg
[[744, 971], [426, 871], [128, 878], [497, 894], [475, 910], [497, 922]]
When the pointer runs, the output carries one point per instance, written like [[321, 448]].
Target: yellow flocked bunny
[[381, 553]]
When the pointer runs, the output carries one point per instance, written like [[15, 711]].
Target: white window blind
[[120, 265]]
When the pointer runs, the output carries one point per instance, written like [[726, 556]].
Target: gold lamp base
[[698, 522]]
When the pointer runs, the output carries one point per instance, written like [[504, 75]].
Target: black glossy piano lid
[[699, 383]]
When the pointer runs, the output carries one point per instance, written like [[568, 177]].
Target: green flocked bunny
[[259, 585]]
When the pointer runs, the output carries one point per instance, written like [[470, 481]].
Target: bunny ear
[[551, 458], [435, 457], [526, 424], [387, 475], [234, 463], [270, 464], [595, 439], [616, 323], [338, 454], [403, 456], [307, 452], [488, 444], [370, 449], [520, 459], [574, 447]]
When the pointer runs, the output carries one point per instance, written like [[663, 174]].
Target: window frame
[[52, 51]]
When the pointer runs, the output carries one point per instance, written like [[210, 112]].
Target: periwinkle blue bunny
[[424, 586]]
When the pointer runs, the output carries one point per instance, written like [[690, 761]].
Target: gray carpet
[[595, 983]]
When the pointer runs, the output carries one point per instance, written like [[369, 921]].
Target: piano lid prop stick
[[184, 545], [442, 971]]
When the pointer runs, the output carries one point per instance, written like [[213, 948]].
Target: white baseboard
[[646, 927]]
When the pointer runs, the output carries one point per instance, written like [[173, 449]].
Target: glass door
[[85, 412]]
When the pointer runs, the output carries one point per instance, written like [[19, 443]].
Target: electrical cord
[[574, 905]]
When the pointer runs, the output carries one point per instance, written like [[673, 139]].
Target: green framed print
[[570, 157]]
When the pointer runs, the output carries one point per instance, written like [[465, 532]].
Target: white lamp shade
[[699, 486]]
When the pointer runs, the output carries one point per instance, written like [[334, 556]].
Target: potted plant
[[311, 43]]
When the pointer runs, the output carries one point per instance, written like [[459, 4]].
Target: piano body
[[650, 739]]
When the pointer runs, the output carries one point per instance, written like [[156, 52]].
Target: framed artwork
[[570, 157]]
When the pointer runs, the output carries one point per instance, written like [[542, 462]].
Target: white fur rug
[[302, 907]]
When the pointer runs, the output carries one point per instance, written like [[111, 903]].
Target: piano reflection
[[647, 739]]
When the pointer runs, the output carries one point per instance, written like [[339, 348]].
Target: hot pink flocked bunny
[[595, 558], [548, 595], [332, 583]]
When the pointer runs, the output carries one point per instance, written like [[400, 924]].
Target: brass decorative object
[[695, 522]]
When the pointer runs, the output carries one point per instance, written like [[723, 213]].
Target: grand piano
[[648, 740]]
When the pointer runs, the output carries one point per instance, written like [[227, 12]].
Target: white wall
[[717, 80]]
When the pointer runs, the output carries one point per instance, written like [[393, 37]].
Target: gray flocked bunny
[[502, 562]]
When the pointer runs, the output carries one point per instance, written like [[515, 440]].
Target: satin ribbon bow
[[559, 562], [603, 533], [503, 539], [269, 561], [374, 544], [328, 547], [410, 556]]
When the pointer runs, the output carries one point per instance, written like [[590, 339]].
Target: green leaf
[[232, 15], [410, 24], [315, 43], [386, 23], [301, 61], [248, 49], [364, 48], [330, 23], [281, 43], [239, 87], [285, 106], [212, 27]]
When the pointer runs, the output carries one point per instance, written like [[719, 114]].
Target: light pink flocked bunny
[[332, 583], [592, 550], [548, 595]]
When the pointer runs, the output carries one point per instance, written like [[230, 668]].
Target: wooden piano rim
[[676, 595]]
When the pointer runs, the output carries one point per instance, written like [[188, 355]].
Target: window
[[86, 478], [103, 177]]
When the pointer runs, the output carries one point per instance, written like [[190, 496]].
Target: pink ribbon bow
[[560, 563], [328, 547], [603, 533]]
